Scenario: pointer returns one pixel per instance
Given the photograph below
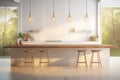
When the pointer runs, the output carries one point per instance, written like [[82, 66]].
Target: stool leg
[[40, 58], [85, 59], [78, 58], [47, 58], [91, 59], [99, 59], [32, 59], [25, 57]]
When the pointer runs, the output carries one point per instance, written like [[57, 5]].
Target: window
[[111, 28], [8, 26]]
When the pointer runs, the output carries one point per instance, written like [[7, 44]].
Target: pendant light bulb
[[30, 18], [86, 16], [53, 18], [69, 18]]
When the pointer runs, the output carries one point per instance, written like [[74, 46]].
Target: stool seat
[[43, 50], [29, 51], [98, 58], [41, 56], [78, 57], [81, 50], [95, 50]]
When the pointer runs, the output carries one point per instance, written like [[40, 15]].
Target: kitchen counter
[[63, 45]]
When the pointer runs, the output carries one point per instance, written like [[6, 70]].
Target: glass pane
[[8, 26], [111, 28]]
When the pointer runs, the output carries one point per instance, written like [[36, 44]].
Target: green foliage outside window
[[111, 28], [8, 26]]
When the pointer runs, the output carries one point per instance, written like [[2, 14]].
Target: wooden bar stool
[[98, 58], [78, 57], [29, 55], [41, 55]]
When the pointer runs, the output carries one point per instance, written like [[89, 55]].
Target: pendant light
[[86, 14], [69, 18], [29, 16], [53, 15]]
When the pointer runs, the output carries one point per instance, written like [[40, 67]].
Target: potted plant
[[20, 37], [94, 38]]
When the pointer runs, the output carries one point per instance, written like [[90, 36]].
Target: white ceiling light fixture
[[69, 18], [29, 16], [86, 14], [53, 15]]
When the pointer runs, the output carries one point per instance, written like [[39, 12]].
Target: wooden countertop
[[61, 46]]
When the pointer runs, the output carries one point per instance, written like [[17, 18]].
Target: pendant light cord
[[86, 8], [53, 6], [53, 15], [69, 15], [69, 7], [30, 6], [29, 16]]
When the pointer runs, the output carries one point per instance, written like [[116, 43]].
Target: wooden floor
[[59, 72]]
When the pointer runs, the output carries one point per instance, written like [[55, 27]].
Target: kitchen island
[[60, 54]]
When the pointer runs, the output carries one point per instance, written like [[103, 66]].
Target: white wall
[[43, 8], [41, 11]]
